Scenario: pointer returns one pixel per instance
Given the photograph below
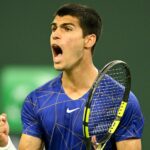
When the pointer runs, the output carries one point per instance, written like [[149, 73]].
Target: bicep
[[28, 142], [134, 144]]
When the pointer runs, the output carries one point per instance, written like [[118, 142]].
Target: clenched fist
[[4, 130]]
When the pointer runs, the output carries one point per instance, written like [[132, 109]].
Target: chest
[[63, 113]]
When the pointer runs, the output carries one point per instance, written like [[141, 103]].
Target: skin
[[134, 144], [4, 130], [76, 56]]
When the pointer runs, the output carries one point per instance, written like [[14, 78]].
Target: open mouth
[[56, 50]]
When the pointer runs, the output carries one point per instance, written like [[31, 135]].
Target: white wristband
[[9, 146]]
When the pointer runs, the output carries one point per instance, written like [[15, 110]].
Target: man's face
[[67, 42]]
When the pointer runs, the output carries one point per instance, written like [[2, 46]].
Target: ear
[[90, 40]]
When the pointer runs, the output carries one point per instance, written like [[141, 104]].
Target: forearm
[[9, 146], [134, 144], [28, 142]]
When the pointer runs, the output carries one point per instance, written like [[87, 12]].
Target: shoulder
[[51, 86], [132, 123], [133, 107], [39, 95]]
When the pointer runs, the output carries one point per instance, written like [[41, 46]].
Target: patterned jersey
[[48, 113]]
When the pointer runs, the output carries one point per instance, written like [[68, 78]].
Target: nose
[[56, 34]]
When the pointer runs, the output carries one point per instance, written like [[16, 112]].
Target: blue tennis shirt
[[49, 114]]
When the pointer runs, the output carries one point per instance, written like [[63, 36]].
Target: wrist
[[9, 145], [4, 142]]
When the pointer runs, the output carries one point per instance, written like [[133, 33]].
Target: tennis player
[[52, 114]]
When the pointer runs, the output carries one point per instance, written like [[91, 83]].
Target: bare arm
[[28, 142], [133, 144]]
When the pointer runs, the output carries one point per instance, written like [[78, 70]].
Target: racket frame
[[121, 110]]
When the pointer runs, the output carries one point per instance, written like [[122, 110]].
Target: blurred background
[[25, 57]]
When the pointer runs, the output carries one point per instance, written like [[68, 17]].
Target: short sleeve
[[30, 121], [132, 123]]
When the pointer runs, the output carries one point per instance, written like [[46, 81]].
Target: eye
[[53, 28], [68, 28]]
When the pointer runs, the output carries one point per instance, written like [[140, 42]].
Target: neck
[[78, 81]]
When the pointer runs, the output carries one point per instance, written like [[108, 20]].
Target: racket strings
[[106, 101]]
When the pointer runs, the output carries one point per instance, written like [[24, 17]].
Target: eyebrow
[[64, 24]]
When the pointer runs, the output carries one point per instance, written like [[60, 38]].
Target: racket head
[[107, 102]]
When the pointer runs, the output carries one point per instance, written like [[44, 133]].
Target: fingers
[[96, 145], [4, 130], [3, 123], [93, 139], [3, 118]]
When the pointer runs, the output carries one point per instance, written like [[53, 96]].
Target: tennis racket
[[106, 104]]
